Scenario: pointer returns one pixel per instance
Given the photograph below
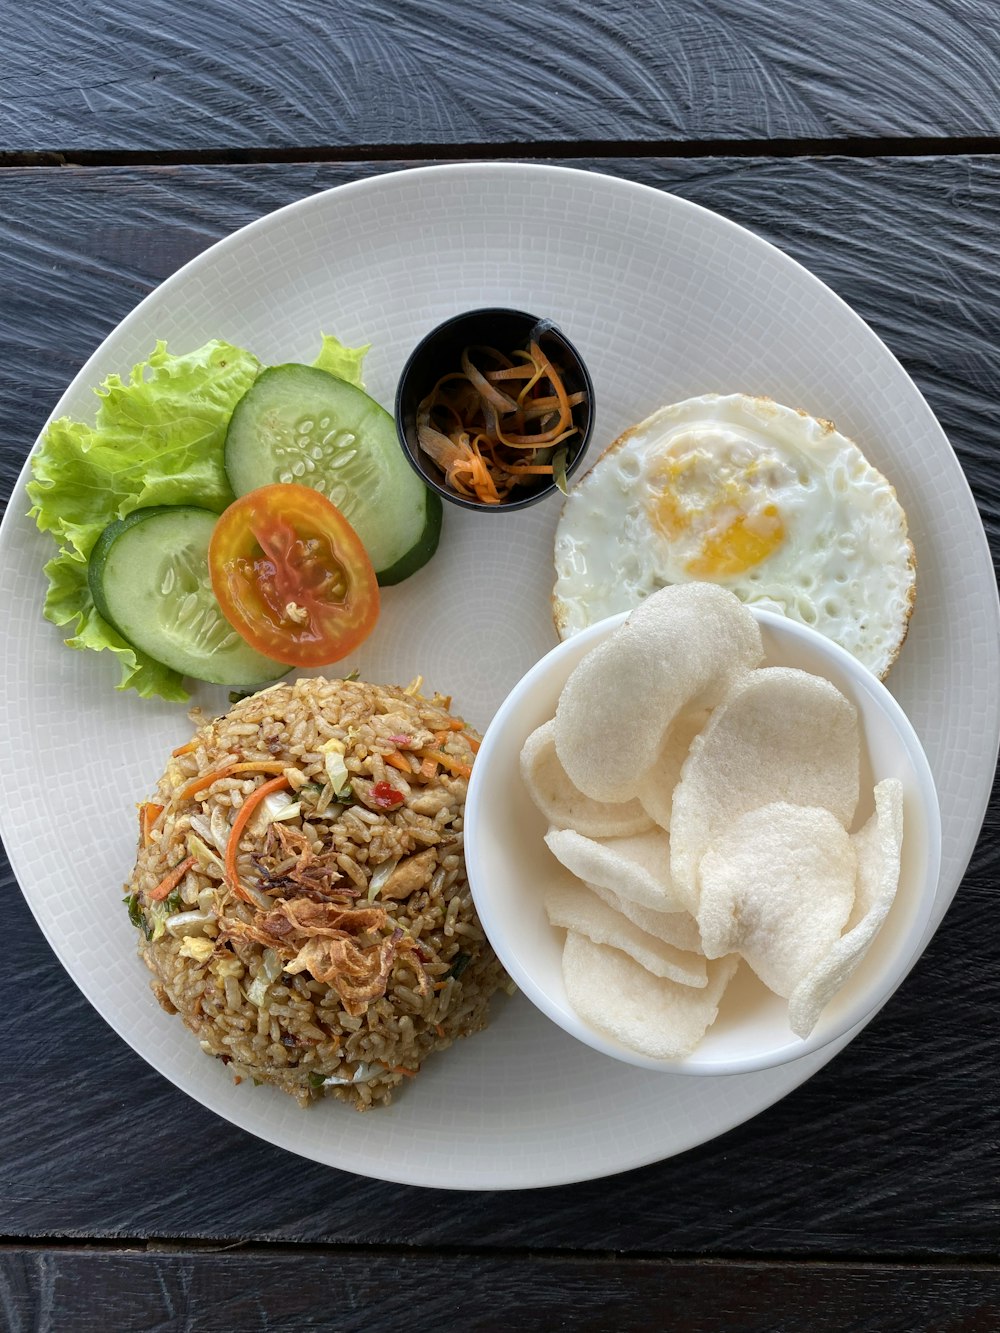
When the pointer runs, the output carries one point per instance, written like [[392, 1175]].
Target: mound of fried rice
[[325, 941]]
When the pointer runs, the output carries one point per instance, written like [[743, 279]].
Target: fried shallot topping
[[359, 976], [335, 945], [315, 875]]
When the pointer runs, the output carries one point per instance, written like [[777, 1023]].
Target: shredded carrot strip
[[492, 430], [542, 407], [402, 1069], [526, 395], [428, 769], [473, 743], [149, 812], [439, 1029], [471, 464], [454, 766], [522, 372], [185, 749], [542, 361], [170, 881], [251, 766], [399, 761], [239, 825]]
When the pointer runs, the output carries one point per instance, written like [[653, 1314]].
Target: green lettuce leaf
[[344, 362], [158, 438]]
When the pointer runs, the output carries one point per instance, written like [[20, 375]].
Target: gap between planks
[[262, 1248], [850, 146]]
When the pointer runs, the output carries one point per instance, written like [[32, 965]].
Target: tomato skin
[[386, 796], [292, 577]]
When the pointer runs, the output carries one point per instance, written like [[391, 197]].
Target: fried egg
[[775, 505]]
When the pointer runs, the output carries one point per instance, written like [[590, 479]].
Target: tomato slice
[[292, 577]]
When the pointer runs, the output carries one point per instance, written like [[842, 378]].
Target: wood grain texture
[[892, 1151], [205, 74], [354, 1293]]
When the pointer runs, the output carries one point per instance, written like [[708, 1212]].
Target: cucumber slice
[[149, 578], [301, 424]]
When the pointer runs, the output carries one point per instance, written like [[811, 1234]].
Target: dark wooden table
[[859, 137]]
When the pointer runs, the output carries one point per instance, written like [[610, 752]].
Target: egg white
[[775, 505]]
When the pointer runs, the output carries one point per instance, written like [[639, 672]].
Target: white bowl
[[508, 861]]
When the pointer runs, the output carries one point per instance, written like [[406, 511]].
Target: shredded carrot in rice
[[454, 766], [149, 812], [206, 779], [239, 825], [170, 881], [185, 749], [399, 761]]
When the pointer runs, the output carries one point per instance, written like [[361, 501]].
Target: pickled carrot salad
[[499, 423]]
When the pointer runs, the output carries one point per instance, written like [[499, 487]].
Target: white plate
[[665, 300]]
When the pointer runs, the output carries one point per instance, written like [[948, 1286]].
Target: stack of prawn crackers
[[701, 809]]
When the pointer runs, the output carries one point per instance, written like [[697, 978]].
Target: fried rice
[[301, 894]]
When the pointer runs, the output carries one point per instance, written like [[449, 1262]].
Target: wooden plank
[[80, 1291], [891, 1151], [183, 75]]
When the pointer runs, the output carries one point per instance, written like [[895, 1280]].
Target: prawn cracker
[[657, 794], [777, 888], [782, 735], [677, 928], [652, 1015], [878, 847], [570, 904], [637, 867], [565, 805], [682, 647]]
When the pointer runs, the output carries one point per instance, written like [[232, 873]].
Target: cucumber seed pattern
[[312, 452], [189, 603]]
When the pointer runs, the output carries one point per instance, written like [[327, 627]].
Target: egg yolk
[[742, 544], [731, 533]]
